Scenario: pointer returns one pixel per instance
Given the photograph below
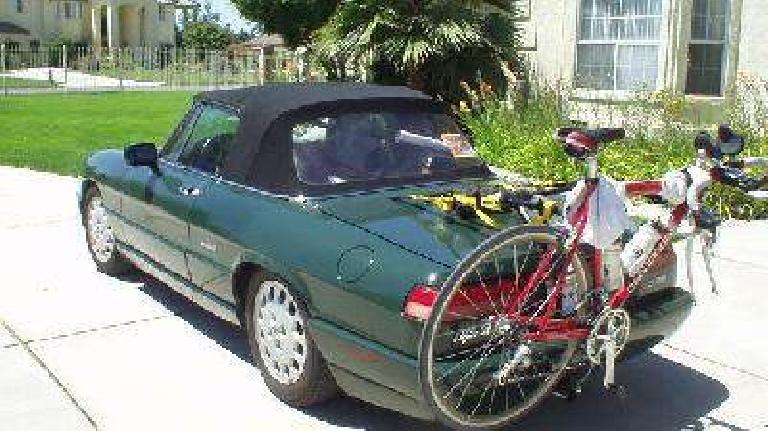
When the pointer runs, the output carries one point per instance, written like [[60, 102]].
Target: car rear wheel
[[290, 363], [100, 238]]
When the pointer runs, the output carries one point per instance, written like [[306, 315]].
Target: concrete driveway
[[80, 350]]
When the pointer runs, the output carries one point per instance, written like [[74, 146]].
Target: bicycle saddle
[[581, 143]]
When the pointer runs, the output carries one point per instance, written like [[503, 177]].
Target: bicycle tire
[[427, 358]]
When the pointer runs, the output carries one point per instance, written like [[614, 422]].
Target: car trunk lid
[[417, 226]]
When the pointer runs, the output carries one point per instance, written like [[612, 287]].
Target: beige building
[[608, 48], [99, 23]]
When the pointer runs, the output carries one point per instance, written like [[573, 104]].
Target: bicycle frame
[[548, 328]]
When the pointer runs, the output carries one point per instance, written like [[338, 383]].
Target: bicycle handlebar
[[748, 162]]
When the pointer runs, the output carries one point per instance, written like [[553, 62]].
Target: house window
[[161, 13], [707, 48], [20, 7], [69, 9], [618, 47]]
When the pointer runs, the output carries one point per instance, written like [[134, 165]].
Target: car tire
[[100, 238], [276, 320]]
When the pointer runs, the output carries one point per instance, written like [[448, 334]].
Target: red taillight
[[418, 304], [473, 301]]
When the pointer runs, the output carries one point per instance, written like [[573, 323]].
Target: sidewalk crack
[[39, 361], [715, 362], [98, 329]]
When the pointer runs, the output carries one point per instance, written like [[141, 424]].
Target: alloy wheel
[[281, 332], [100, 236]]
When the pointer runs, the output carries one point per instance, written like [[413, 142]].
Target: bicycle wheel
[[483, 359]]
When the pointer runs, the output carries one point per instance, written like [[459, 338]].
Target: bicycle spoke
[[472, 373], [502, 294], [487, 293], [493, 398], [543, 279], [472, 377], [531, 289], [517, 383], [506, 387], [482, 395], [470, 301], [464, 316], [456, 366], [460, 352]]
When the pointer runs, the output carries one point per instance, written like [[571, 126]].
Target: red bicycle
[[530, 303]]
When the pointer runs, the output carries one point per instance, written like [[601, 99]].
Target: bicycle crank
[[607, 339]]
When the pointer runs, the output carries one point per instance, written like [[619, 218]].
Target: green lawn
[[55, 132], [9, 82]]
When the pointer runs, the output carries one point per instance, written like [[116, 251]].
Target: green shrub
[[518, 137]]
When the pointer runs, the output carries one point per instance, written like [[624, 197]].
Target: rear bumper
[[656, 317], [369, 371]]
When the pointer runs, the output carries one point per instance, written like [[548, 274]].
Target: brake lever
[[743, 181]]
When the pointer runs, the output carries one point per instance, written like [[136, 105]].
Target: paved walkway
[[77, 80], [80, 350]]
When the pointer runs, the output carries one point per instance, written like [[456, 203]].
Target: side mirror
[[141, 155]]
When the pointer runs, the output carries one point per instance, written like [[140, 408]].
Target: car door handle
[[190, 191]]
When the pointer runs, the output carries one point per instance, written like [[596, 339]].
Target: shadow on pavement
[[661, 394]]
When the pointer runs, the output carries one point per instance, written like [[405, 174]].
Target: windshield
[[365, 146]]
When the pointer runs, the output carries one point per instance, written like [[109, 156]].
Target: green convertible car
[[308, 214]]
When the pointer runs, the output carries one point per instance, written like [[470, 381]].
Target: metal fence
[[68, 68]]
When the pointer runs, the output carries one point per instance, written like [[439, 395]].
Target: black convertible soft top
[[272, 100], [261, 155]]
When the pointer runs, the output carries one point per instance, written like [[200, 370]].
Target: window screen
[[70, 10], [618, 46]]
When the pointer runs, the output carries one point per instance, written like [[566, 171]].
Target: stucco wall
[[553, 24], [31, 19], [166, 30], [753, 43], [130, 26], [41, 19]]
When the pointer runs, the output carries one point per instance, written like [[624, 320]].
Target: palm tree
[[428, 44]]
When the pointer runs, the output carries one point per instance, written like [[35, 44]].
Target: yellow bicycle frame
[[482, 205]]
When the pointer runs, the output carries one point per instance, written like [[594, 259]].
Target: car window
[[365, 146], [176, 142], [210, 139]]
